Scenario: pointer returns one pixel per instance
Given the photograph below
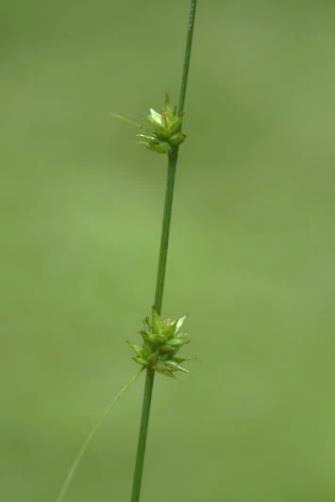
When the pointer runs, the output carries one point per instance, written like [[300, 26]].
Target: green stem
[[142, 438], [173, 158], [158, 302], [187, 57], [164, 246]]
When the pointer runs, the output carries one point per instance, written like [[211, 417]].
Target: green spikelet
[[162, 339], [163, 129]]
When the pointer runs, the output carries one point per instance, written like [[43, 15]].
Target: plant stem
[[142, 438], [187, 57], [164, 244]]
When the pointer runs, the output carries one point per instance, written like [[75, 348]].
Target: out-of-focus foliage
[[251, 256]]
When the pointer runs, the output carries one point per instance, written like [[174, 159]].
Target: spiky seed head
[[162, 339], [163, 129]]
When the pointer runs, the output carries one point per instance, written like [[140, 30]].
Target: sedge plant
[[162, 338]]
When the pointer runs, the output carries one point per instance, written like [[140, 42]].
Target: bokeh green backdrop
[[251, 257]]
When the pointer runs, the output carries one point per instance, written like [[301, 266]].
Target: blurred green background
[[251, 257]]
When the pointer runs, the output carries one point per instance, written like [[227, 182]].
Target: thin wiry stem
[[74, 466], [158, 302], [164, 246], [142, 438], [187, 57]]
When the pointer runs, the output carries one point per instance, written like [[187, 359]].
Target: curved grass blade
[[75, 464]]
